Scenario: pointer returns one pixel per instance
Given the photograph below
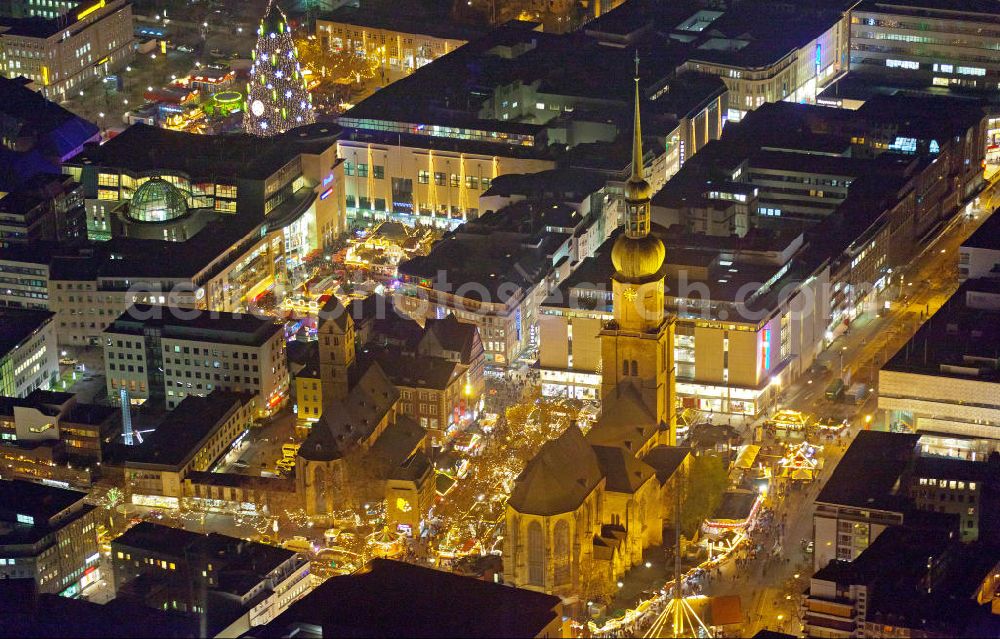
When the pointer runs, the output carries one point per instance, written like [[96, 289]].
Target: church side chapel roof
[[665, 460], [625, 420], [624, 473], [398, 443], [559, 478], [345, 423]]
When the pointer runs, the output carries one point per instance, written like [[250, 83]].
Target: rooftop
[[451, 335], [757, 34], [534, 220], [37, 500], [624, 473], [240, 565], [142, 148], [867, 474], [55, 131], [960, 341], [969, 10], [559, 478], [414, 371], [204, 326], [345, 423], [27, 613], [354, 605], [182, 432], [156, 538], [484, 269], [665, 460], [564, 184], [987, 236]]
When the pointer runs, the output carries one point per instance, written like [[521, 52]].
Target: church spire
[[636, 131], [637, 190]]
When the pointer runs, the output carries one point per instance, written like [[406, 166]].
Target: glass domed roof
[[157, 201]]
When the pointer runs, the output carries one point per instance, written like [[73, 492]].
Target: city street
[[928, 282], [771, 588]]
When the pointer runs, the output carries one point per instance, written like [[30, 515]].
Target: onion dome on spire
[[637, 255]]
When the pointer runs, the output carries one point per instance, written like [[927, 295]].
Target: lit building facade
[[63, 54], [796, 74], [294, 180], [308, 395], [418, 183], [48, 416], [397, 51], [923, 43], [165, 352], [24, 275], [732, 355], [943, 383], [50, 537], [223, 268], [28, 352]]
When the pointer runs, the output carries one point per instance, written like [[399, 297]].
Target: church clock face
[[630, 294], [257, 108]]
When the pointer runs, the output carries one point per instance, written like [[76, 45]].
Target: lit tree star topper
[[277, 99]]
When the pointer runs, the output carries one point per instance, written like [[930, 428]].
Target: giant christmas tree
[[277, 99]]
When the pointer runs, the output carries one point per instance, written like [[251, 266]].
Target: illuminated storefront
[[722, 399], [572, 384], [156, 501]]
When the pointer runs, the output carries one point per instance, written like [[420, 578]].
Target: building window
[[423, 177], [471, 181], [348, 168], [439, 178], [362, 169], [536, 555], [378, 171], [560, 543]]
